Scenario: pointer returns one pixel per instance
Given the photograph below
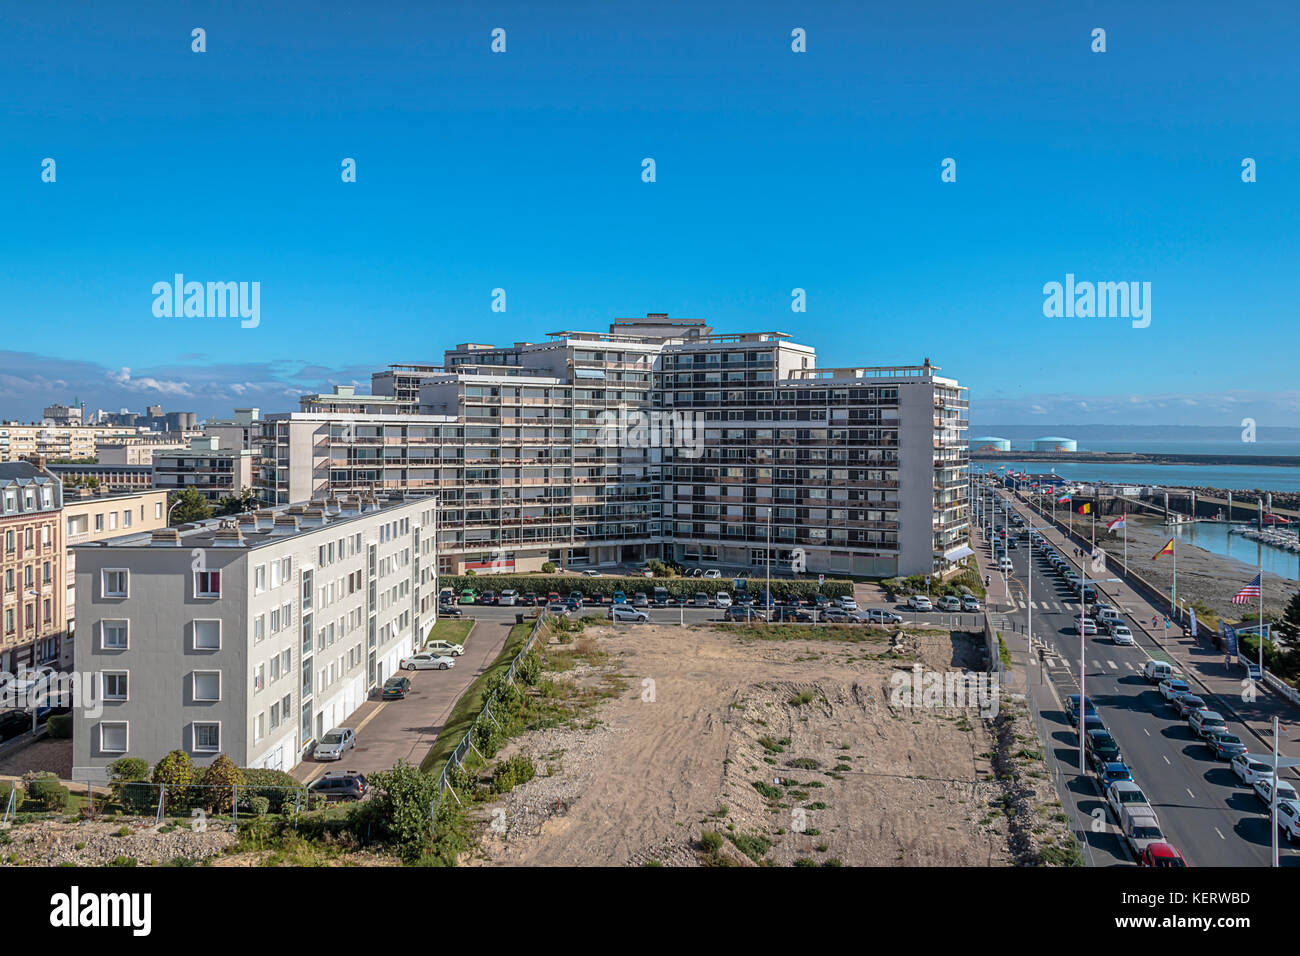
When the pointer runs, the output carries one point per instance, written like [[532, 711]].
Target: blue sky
[[775, 170]]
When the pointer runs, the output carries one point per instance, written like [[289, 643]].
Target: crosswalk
[[1021, 604]]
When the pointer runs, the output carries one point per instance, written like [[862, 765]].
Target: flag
[[1116, 524], [1249, 592], [1064, 499], [1167, 549], [1085, 508]]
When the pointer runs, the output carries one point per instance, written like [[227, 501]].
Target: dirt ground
[[844, 777]]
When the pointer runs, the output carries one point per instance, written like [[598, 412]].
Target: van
[[661, 597], [1156, 671]]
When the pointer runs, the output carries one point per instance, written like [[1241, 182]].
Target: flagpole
[[1261, 621], [1173, 609], [1124, 525]]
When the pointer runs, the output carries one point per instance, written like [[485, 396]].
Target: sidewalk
[[1197, 659]]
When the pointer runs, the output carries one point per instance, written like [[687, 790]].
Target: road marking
[[1145, 731], [1221, 836], [1166, 760], [1112, 665], [1190, 794]]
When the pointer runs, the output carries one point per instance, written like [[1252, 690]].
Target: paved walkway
[[1198, 660]]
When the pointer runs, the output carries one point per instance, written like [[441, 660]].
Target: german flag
[[1167, 549]]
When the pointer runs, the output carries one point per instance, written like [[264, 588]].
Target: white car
[[1250, 769], [919, 602], [625, 612], [590, 573], [508, 597], [1125, 793], [846, 602], [444, 647], [722, 599], [949, 603], [713, 573], [1264, 790], [1120, 634], [1087, 625], [427, 662], [1004, 564], [1288, 819], [335, 744]]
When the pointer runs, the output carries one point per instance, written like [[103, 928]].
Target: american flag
[[1250, 591]]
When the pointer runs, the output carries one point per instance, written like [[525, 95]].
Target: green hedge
[[542, 584], [59, 726]]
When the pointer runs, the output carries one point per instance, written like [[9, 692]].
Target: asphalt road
[[1203, 810]]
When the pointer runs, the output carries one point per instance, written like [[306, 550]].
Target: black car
[[449, 610], [396, 688], [1102, 749], [793, 615], [529, 599], [576, 597], [488, 597], [341, 785], [742, 613], [14, 723]]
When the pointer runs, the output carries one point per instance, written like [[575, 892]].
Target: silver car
[[335, 744], [427, 662]]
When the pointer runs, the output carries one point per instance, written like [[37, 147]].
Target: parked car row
[[949, 603]]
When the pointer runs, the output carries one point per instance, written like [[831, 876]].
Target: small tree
[[219, 780], [402, 802], [547, 568], [190, 506], [175, 772]]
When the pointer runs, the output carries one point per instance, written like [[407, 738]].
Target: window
[[113, 635], [114, 583], [207, 584], [259, 579], [207, 685], [259, 727], [113, 685], [126, 518], [207, 737], [157, 509], [259, 629], [259, 678], [112, 521], [114, 737], [207, 635], [99, 523]]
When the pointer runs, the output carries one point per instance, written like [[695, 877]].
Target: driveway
[[393, 730]]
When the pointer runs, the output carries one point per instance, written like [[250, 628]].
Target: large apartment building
[[251, 636], [32, 554], [56, 442], [659, 438], [215, 472]]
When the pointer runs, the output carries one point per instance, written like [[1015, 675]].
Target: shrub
[[219, 780], [711, 840], [279, 787], [399, 809], [259, 806], [59, 726], [19, 796], [175, 772], [44, 792], [548, 568], [511, 773]]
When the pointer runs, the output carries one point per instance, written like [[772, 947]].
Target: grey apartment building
[[248, 636], [859, 470]]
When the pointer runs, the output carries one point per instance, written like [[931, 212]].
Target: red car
[[1162, 854]]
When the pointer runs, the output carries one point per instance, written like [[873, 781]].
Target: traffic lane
[[689, 614], [1192, 809], [392, 730]]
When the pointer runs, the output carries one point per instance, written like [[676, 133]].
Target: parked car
[[1157, 672], [1264, 790], [1288, 819], [450, 610], [949, 603], [1184, 704], [1161, 855], [1250, 768], [620, 597], [795, 615], [879, 615], [509, 597], [745, 599], [1004, 564], [1102, 748], [970, 602], [14, 723], [1141, 829], [335, 743], [846, 602], [1113, 772], [340, 785], [1125, 793], [1223, 745], [1172, 686], [835, 615], [468, 596], [722, 599], [445, 647], [640, 600], [427, 662], [1121, 634], [396, 688], [743, 612], [530, 599], [919, 602], [591, 573], [701, 599], [821, 602], [712, 573], [1204, 722], [626, 612], [661, 597]]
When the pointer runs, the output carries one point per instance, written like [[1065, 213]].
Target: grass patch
[[449, 629], [471, 702], [753, 845]]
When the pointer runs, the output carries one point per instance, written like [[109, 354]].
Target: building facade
[[659, 439], [212, 471], [252, 636], [32, 555], [55, 442]]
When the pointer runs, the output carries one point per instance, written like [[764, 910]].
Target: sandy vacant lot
[[706, 714]]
